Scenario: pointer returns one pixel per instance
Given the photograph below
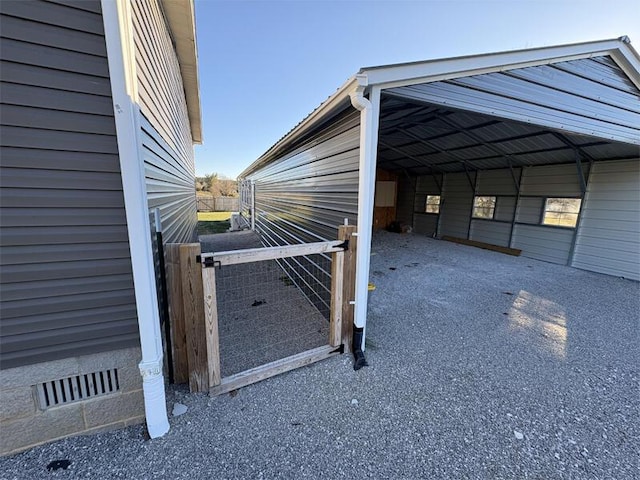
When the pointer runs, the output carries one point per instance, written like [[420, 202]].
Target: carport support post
[[369, 121]]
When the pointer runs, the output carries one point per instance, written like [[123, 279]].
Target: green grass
[[213, 216], [213, 222]]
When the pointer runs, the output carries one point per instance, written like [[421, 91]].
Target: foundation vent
[[77, 388]]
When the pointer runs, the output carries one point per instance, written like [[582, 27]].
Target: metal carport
[[572, 105]]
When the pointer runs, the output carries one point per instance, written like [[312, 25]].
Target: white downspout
[[120, 53], [366, 189]]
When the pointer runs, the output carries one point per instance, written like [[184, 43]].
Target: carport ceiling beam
[[415, 159], [432, 145], [477, 138], [578, 153]]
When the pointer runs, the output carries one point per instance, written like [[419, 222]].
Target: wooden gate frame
[[194, 316]]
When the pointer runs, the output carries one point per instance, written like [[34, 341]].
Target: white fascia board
[[438, 70], [121, 57], [340, 96], [628, 60]]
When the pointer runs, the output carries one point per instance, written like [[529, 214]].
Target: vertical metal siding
[[405, 199], [551, 244], [305, 194], [456, 203], [425, 223], [577, 96], [65, 274], [608, 240], [488, 231]]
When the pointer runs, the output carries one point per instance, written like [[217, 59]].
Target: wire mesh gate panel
[[262, 315]]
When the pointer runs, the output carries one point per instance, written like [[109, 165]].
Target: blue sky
[[265, 65]]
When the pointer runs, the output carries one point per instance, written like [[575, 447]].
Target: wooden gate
[[194, 305]]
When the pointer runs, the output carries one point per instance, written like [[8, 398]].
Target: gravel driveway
[[482, 365]]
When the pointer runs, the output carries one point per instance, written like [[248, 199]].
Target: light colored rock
[[518, 435], [179, 409]]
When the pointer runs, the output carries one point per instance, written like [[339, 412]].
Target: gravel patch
[[482, 365]]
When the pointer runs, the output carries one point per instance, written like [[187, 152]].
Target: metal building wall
[[589, 96], [456, 204], [542, 242], [166, 131], [67, 287], [608, 239], [498, 183], [425, 223], [308, 191]]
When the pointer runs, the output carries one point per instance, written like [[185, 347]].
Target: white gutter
[[119, 41], [369, 120]]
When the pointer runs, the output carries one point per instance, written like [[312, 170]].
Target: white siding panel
[[608, 240], [543, 243], [494, 233], [455, 211]]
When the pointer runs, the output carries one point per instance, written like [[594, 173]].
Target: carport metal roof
[[517, 108]]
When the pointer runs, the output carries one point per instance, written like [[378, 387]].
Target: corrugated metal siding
[[166, 133], [589, 96], [537, 241], [425, 223], [543, 243], [609, 236], [552, 181], [304, 195], [456, 203], [498, 183], [67, 287], [488, 231], [405, 199]]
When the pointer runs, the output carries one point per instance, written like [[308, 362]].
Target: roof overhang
[[180, 16], [399, 75], [403, 74]]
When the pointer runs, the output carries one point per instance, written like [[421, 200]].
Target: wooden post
[[192, 297], [337, 277], [211, 325], [345, 232], [176, 314]]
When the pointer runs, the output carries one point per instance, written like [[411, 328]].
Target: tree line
[[217, 185]]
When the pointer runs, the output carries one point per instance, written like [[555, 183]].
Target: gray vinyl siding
[[166, 132], [306, 193], [456, 203], [492, 232], [590, 96], [66, 280], [608, 239]]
